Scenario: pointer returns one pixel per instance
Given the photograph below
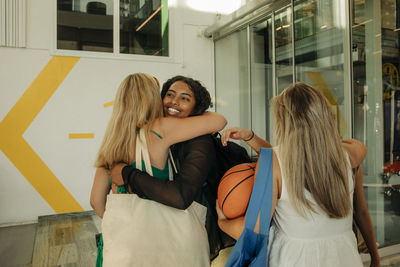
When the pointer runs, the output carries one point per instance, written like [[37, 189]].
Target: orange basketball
[[234, 190]]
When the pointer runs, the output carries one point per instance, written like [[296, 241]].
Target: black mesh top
[[197, 164], [197, 179]]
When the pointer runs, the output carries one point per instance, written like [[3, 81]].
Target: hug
[[159, 159]]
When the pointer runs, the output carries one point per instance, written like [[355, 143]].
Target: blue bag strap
[[267, 201], [264, 174]]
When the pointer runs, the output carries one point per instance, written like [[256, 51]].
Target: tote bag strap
[[267, 200], [262, 187], [141, 150], [171, 162]]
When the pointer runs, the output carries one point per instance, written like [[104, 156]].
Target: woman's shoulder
[[356, 151], [199, 142], [277, 174]]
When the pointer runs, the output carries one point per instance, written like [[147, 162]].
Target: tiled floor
[[69, 240]]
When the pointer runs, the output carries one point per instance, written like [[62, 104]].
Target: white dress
[[313, 241]]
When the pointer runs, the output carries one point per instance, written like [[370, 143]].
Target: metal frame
[[273, 55], [348, 67], [242, 18], [249, 72], [238, 15], [293, 48], [116, 30]]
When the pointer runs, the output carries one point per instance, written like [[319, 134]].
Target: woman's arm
[[234, 228], [237, 133], [176, 130], [356, 150], [100, 189], [198, 163], [363, 219]]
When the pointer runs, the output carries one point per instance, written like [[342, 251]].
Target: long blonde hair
[[312, 157], [137, 105]]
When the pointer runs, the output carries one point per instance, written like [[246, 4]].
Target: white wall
[[77, 104]]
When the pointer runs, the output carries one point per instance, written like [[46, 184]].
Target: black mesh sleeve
[[198, 159]]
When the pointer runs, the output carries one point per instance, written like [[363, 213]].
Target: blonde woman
[[138, 106], [313, 185]]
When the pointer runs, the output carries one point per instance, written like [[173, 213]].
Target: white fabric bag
[[140, 232]]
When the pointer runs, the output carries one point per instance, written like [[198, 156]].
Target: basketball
[[235, 188]]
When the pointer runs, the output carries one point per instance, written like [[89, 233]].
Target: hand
[[114, 189], [220, 214], [236, 133], [116, 174]]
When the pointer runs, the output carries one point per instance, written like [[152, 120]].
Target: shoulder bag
[[251, 249], [142, 232]]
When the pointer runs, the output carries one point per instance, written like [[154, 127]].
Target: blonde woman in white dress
[[313, 186]]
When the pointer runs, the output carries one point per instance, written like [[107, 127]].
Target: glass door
[[376, 102], [232, 79], [320, 52], [262, 89], [283, 48]]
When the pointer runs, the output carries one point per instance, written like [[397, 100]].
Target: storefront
[[347, 49]]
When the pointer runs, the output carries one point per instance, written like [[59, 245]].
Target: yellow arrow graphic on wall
[[20, 153]]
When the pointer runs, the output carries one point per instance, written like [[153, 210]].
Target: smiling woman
[[179, 100], [183, 97]]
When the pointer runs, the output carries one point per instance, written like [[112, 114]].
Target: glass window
[[261, 77], [323, 57], [319, 57], [232, 79], [283, 49], [89, 26], [84, 25], [144, 27], [376, 63]]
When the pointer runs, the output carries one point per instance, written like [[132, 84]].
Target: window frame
[[116, 32]]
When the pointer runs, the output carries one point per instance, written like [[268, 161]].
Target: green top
[[162, 174], [158, 173]]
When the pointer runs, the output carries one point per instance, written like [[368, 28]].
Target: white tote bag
[[140, 232]]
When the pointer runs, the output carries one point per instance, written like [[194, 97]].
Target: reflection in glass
[[376, 62], [232, 79], [144, 27], [319, 55], [283, 49], [84, 25], [261, 77]]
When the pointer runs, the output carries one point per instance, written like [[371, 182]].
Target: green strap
[[121, 189], [156, 134], [99, 260]]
